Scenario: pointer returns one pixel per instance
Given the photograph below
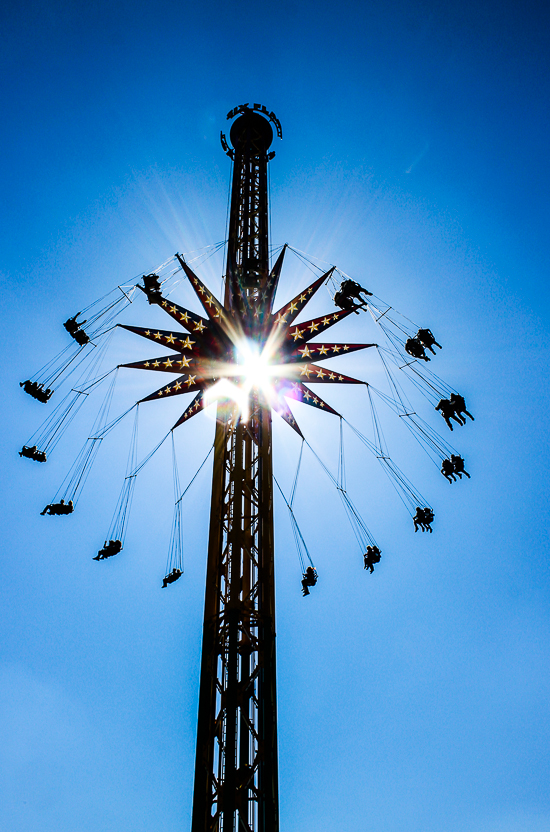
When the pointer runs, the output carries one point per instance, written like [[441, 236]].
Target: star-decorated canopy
[[236, 352]]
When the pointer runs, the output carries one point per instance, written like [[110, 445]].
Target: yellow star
[[202, 290], [304, 352], [165, 303], [322, 404], [315, 400], [313, 326], [197, 404], [293, 307], [326, 321], [158, 336], [184, 317], [336, 348], [199, 326], [209, 300], [147, 332], [331, 376], [296, 334], [310, 290], [322, 350], [184, 361], [340, 378], [160, 393], [166, 389], [187, 344], [146, 364], [306, 371], [335, 316], [190, 380], [170, 338], [302, 298], [320, 373], [307, 395], [346, 348], [280, 319], [156, 363], [177, 386], [172, 309], [167, 363]]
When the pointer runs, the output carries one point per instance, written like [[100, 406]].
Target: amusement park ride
[[254, 358]]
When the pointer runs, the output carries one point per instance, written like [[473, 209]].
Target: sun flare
[[254, 367]]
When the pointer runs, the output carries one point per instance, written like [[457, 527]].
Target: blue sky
[[415, 158]]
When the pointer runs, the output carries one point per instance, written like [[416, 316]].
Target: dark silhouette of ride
[[33, 453], [423, 519], [171, 577], [36, 390], [59, 508], [111, 548], [309, 578], [371, 557]]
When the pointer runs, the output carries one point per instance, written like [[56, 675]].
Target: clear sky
[[415, 158]]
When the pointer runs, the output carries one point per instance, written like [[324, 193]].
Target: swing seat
[[172, 576]]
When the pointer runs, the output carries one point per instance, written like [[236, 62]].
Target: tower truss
[[236, 783]]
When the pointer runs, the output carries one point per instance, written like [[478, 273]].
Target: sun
[[255, 366]]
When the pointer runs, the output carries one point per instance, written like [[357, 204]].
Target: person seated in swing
[[59, 508], [151, 287], [36, 390], [33, 453], [423, 519], [447, 410], [74, 328], [28, 386], [41, 394], [345, 303], [44, 395], [458, 466], [111, 548], [371, 556], [309, 578], [429, 517], [415, 348], [171, 577], [82, 338], [459, 406], [351, 289], [448, 470], [426, 337], [72, 325]]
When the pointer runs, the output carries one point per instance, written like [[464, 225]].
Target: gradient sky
[[415, 158]]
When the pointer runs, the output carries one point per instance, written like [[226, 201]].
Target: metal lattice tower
[[236, 781]]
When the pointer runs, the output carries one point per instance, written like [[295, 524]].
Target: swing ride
[[251, 358]]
